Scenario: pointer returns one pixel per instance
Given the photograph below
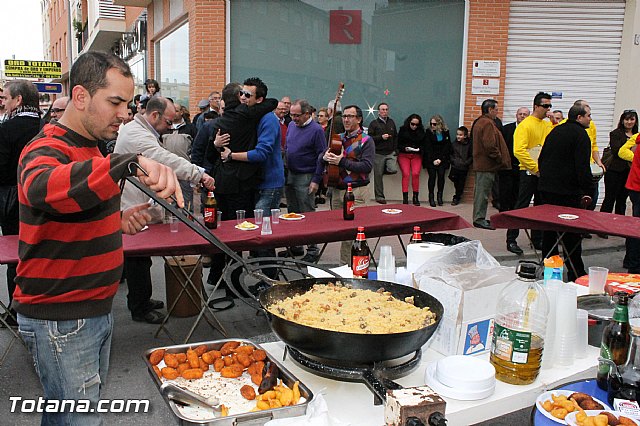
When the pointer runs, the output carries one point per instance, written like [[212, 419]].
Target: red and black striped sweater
[[70, 245]]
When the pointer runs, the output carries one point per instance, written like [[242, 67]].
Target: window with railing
[[107, 10]]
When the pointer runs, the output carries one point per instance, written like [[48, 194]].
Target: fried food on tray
[[291, 215], [156, 356], [590, 404], [246, 225], [192, 358], [342, 308], [559, 406], [170, 373], [192, 373], [248, 392], [171, 360]]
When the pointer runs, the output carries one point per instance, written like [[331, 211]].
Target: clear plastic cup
[[582, 333], [240, 216], [275, 216], [173, 223], [597, 279], [266, 226], [257, 215], [219, 218]]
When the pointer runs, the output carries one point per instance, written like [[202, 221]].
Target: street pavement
[[128, 377]]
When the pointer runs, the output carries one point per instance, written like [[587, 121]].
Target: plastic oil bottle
[[520, 326]]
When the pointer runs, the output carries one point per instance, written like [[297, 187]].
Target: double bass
[[334, 143]]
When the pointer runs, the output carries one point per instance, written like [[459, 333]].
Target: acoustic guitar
[[334, 143]]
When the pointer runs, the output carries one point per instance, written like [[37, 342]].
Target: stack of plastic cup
[[266, 226], [257, 215], [566, 313], [387, 265], [582, 331], [552, 289]]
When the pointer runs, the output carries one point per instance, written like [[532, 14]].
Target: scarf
[[24, 111]]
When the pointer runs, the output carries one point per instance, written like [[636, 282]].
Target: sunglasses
[[545, 105], [413, 124], [433, 124], [57, 110], [246, 94], [628, 111]]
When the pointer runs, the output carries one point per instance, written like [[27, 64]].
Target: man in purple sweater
[[304, 144]]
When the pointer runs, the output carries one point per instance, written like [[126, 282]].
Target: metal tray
[[246, 419]]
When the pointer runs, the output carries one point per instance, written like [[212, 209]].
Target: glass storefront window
[[172, 65], [408, 54]]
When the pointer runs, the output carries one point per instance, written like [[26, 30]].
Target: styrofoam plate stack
[[461, 377]]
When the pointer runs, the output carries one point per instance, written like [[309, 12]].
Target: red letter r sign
[[345, 26]]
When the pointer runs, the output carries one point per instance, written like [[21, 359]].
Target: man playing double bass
[[355, 162]]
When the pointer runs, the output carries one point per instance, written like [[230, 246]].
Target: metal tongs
[[186, 397]]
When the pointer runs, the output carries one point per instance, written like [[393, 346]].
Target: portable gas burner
[[378, 376]]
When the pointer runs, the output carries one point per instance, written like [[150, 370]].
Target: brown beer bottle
[[615, 339], [417, 235], [210, 211], [349, 204], [360, 255]]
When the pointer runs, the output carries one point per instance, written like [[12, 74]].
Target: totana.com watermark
[[41, 405]]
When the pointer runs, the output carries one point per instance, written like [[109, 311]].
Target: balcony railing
[[107, 10]]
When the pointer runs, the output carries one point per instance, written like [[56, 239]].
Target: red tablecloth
[[316, 227], [546, 218]]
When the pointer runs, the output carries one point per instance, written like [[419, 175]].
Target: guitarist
[[355, 163]]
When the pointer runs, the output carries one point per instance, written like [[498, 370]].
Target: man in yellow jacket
[[527, 143]]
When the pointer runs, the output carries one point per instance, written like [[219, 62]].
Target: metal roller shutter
[[571, 48]]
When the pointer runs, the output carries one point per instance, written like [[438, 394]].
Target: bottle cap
[[360, 228]]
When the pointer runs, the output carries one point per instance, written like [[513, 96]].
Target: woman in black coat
[[436, 156], [615, 177]]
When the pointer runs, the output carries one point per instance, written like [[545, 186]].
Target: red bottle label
[[351, 207], [210, 215], [360, 266]]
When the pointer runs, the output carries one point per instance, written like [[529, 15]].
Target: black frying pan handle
[[378, 386], [195, 226]]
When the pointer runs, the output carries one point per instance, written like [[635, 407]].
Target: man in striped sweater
[[71, 229]]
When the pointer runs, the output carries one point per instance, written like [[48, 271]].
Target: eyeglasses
[[413, 124], [628, 111], [349, 116], [297, 115], [246, 94], [545, 105], [57, 110]]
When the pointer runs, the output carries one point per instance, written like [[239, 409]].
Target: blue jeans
[[267, 199], [71, 358]]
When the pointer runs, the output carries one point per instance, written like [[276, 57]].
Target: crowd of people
[[60, 176]]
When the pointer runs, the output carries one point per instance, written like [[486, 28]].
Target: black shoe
[[381, 201], [156, 304], [603, 236], [514, 248], [151, 317], [320, 200], [483, 223], [440, 202], [310, 258], [283, 205], [455, 201], [586, 235]]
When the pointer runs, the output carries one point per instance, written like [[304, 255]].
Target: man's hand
[[437, 162], [208, 182], [313, 187], [135, 218], [224, 155], [221, 140], [385, 136], [331, 158], [552, 117], [162, 179]]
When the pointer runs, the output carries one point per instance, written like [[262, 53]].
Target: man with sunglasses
[[58, 107], [527, 143], [142, 136]]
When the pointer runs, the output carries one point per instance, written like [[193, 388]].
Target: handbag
[[607, 157]]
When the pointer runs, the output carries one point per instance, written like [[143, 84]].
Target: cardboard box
[[469, 293]]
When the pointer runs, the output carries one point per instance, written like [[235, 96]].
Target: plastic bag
[[465, 266]]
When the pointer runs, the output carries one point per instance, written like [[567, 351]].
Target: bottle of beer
[[615, 339], [417, 235], [360, 255], [349, 204], [210, 211]]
